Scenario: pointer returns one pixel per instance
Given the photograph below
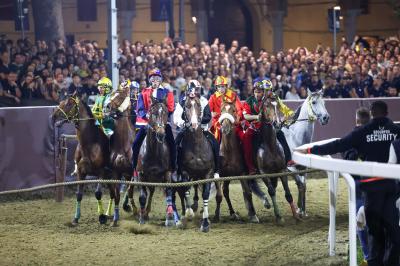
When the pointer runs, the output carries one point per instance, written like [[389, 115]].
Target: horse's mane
[[88, 110], [297, 113]]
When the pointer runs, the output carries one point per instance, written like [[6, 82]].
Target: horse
[[93, 155], [121, 145], [301, 132], [154, 163], [232, 162], [197, 162], [270, 157]]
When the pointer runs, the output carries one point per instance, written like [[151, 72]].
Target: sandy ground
[[38, 232]]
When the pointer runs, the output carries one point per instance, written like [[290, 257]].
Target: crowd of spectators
[[50, 72]]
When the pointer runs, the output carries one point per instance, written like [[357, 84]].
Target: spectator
[[51, 90], [11, 89], [76, 86], [292, 94]]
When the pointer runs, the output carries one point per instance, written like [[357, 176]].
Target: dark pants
[[282, 140], [214, 145], [169, 137], [362, 234], [382, 218]]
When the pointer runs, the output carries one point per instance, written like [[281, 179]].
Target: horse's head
[[116, 99], [192, 111], [228, 116], [268, 110], [67, 111], [316, 107], [158, 118]]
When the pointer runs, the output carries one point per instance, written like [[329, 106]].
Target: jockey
[[134, 92], [104, 86], [251, 112], [193, 90], [287, 113], [143, 105], [215, 103]]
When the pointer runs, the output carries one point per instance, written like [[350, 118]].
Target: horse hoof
[[114, 224], [126, 208], [141, 221], [179, 225], [235, 217], [75, 222], [280, 221], [216, 219], [102, 219], [169, 222], [205, 229], [189, 214], [254, 219], [266, 204]]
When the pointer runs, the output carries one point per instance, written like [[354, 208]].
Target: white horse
[[301, 132]]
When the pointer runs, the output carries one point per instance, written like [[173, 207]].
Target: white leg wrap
[[205, 209]]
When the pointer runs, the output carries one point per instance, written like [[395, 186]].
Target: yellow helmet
[[125, 85], [105, 83], [221, 80]]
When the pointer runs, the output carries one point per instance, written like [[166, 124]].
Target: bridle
[[73, 114]]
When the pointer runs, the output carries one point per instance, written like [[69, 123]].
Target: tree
[[48, 20]]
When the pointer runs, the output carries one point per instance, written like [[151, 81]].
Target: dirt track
[[38, 232]]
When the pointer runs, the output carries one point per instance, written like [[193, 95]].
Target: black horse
[[196, 156], [154, 163]]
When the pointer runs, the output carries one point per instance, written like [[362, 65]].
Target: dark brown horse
[[93, 157], [121, 144], [154, 162], [232, 161], [270, 157], [196, 155]]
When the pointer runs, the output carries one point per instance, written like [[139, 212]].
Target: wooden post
[[62, 165]]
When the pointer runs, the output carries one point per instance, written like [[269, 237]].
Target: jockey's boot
[[291, 163]]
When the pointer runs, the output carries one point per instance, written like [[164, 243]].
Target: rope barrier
[[148, 184]]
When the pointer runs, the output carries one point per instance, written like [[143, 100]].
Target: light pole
[[21, 17], [335, 9]]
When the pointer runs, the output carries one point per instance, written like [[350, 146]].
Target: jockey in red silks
[[157, 91], [251, 112], [215, 103]]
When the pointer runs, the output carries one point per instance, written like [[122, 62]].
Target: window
[[7, 10], [87, 10]]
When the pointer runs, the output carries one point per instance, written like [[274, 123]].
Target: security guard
[[373, 140]]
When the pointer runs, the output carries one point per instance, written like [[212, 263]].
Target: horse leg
[[116, 206], [125, 202], [255, 188], [289, 197], [218, 198], [79, 195], [100, 210], [301, 186], [110, 201], [195, 205], [271, 184], [189, 213], [248, 201], [149, 202], [142, 201], [205, 224], [232, 212], [169, 220]]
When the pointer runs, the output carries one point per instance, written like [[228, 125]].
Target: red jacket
[[215, 103], [144, 103]]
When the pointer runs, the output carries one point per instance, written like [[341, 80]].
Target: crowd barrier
[[334, 167]]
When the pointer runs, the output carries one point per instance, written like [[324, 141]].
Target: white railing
[[345, 168]]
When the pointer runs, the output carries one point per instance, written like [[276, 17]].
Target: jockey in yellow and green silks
[[106, 123], [286, 111]]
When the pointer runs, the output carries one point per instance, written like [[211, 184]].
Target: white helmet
[[193, 88]]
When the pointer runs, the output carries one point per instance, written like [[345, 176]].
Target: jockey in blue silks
[[156, 90]]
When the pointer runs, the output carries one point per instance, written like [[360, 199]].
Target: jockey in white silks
[[193, 90]]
